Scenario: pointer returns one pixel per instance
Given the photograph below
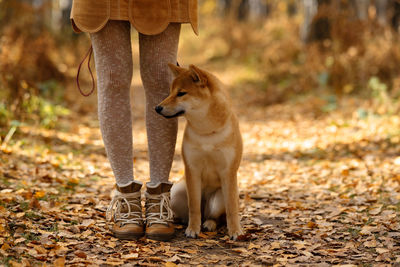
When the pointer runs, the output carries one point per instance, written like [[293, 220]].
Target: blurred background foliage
[[270, 50]]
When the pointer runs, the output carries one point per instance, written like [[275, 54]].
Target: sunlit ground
[[315, 188]]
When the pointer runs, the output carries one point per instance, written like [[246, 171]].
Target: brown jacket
[[147, 16]]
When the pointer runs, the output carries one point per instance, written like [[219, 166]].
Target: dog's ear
[[198, 76], [176, 70]]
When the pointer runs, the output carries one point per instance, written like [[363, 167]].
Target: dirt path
[[316, 189]]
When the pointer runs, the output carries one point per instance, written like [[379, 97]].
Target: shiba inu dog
[[211, 150]]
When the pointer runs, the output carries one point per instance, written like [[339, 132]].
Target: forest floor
[[316, 188]]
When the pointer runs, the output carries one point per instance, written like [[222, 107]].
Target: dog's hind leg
[[214, 208], [179, 202]]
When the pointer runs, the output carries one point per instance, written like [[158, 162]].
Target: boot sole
[[160, 237], [128, 236]]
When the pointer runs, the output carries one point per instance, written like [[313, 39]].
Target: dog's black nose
[[159, 109]]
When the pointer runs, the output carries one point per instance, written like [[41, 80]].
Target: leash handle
[[88, 53]]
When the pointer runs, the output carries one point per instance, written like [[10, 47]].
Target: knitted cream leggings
[[113, 60]]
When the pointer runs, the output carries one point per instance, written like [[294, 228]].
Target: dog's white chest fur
[[207, 147], [208, 153]]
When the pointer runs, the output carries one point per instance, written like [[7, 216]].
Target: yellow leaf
[[40, 194], [345, 172], [5, 247], [312, 225], [73, 180], [170, 264], [24, 84]]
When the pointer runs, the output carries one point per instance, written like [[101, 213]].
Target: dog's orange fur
[[211, 149]]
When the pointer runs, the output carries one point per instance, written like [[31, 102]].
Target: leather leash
[[88, 53]]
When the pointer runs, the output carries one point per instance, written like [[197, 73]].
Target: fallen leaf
[[73, 180], [307, 253], [382, 250], [5, 247], [40, 194], [244, 237], [88, 222], [130, 256], [299, 245], [201, 235], [370, 244], [59, 262], [251, 245], [174, 258], [376, 211], [114, 262], [312, 225], [34, 203], [240, 250], [80, 254], [15, 263], [275, 245], [40, 249]]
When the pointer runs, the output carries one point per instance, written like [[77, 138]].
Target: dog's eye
[[181, 93]]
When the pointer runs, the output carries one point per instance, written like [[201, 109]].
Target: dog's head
[[189, 92]]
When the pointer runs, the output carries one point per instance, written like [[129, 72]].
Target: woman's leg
[[156, 51], [113, 60]]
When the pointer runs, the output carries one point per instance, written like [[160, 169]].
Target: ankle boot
[[126, 211], [159, 214]]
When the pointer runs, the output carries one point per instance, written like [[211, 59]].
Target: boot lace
[[165, 215], [132, 201]]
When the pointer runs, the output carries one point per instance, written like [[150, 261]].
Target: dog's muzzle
[[159, 110]]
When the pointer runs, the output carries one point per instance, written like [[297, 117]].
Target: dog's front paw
[[191, 232], [233, 234]]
